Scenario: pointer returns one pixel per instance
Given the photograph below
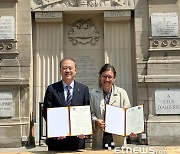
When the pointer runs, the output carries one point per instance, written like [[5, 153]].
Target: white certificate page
[[134, 120], [115, 120], [57, 122], [80, 120]]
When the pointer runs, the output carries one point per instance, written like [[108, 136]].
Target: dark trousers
[[71, 143], [107, 140]]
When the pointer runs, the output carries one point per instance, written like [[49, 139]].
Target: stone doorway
[[92, 38]]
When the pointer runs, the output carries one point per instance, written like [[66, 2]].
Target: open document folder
[[69, 121], [124, 121]]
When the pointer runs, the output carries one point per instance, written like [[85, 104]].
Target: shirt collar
[[72, 84]]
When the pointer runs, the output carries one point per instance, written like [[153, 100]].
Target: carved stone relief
[[6, 46], [164, 43], [42, 4], [83, 32], [174, 42], [8, 50]]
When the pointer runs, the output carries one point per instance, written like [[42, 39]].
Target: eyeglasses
[[107, 76], [66, 68]]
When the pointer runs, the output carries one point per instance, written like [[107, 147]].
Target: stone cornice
[[14, 121], [14, 81], [8, 0], [164, 119], [158, 78]]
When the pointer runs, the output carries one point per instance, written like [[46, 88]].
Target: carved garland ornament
[[83, 32]]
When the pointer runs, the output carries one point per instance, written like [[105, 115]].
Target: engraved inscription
[[48, 15], [6, 27], [87, 70], [117, 13], [6, 104], [164, 24], [167, 101]]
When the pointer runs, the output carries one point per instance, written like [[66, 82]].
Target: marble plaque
[[7, 24], [6, 104], [167, 101], [87, 70], [164, 24]]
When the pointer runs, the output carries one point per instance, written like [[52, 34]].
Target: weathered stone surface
[[10, 136], [164, 68], [163, 133], [10, 142]]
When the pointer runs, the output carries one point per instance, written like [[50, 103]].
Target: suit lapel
[[60, 92], [113, 98], [76, 91], [100, 100]]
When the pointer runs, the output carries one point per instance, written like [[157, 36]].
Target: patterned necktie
[[69, 97], [107, 97]]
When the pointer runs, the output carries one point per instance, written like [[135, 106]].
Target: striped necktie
[[69, 97]]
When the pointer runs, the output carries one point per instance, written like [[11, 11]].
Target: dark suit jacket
[[54, 97]]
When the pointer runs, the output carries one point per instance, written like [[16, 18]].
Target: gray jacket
[[118, 98]]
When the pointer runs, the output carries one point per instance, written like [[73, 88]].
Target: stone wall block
[[163, 69], [163, 133]]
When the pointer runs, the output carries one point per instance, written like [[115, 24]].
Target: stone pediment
[[50, 5]]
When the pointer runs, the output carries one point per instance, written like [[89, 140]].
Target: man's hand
[[100, 123], [133, 135], [81, 136], [61, 137]]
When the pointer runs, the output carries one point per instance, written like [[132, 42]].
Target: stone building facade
[[139, 37]]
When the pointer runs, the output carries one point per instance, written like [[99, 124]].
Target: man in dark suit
[[66, 92]]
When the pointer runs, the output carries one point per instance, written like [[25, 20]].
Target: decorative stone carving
[[9, 46], [1, 46], [155, 43], [117, 3], [174, 43], [6, 45], [167, 43], [83, 32], [8, 50], [42, 4], [164, 43]]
